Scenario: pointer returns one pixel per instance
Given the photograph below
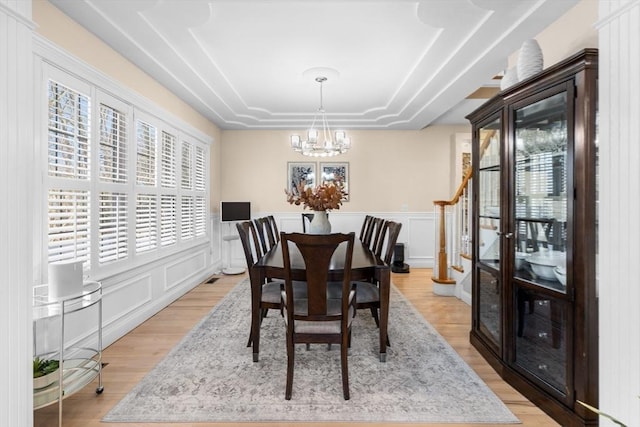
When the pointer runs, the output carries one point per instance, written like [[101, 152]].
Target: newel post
[[442, 270]]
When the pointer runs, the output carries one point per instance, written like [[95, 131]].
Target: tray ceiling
[[251, 64]]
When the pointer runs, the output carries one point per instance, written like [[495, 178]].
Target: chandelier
[[324, 146]]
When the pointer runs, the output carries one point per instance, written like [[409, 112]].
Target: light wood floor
[[131, 357]]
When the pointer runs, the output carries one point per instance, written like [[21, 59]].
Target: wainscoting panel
[[421, 240], [183, 269], [132, 297], [125, 298]]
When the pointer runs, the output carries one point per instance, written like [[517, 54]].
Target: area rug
[[210, 377]]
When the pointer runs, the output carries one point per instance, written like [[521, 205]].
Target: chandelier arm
[[327, 131]]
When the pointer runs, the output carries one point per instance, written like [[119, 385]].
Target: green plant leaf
[[43, 367]]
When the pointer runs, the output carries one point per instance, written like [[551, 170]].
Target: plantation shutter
[[186, 217], [68, 132], [168, 161], [146, 136], [113, 145], [69, 224], [187, 178], [200, 221], [112, 227], [200, 169], [68, 164], [146, 222], [168, 222]]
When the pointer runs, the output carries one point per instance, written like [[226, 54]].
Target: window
[[187, 178], [146, 154], [68, 202], [112, 228], [69, 225], [168, 162], [200, 220], [118, 213], [69, 124], [186, 217], [113, 145], [146, 222], [200, 169], [112, 186], [168, 223]]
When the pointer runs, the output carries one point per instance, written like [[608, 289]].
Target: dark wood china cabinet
[[535, 308]]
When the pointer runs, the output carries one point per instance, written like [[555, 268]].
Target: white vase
[[509, 79], [530, 59], [320, 223]]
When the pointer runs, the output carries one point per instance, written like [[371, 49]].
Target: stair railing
[[458, 210], [458, 228]]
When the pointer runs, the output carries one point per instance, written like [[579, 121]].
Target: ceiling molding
[[249, 64]]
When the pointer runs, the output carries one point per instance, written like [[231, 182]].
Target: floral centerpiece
[[320, 199], [325, 197]]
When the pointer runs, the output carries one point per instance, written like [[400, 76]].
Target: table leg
[[384, 279]]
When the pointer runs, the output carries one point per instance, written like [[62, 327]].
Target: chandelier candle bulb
[[313, 136]]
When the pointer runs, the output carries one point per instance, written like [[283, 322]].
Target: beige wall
[[67, 34], [389, 170]]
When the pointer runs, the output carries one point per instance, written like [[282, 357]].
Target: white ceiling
[[251, 64]]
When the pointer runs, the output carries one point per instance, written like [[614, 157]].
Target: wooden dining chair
[[259, 224], [375, 227], [377, 236], [270, 289], [273, 226], [317, 318], [368, 295], [365, 226], [386, 245], [306, 221], [264, 227]]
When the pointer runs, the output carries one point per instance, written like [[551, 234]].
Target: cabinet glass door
[[541, 172], [540, 178], [489, 292]]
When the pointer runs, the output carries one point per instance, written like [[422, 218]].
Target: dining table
[[365, 266]]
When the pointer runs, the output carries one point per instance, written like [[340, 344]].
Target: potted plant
[[45, 372]]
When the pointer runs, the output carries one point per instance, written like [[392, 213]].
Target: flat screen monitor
[[235, 211]]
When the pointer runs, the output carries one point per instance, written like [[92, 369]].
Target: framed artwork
[[336, 172], [296, 172]]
